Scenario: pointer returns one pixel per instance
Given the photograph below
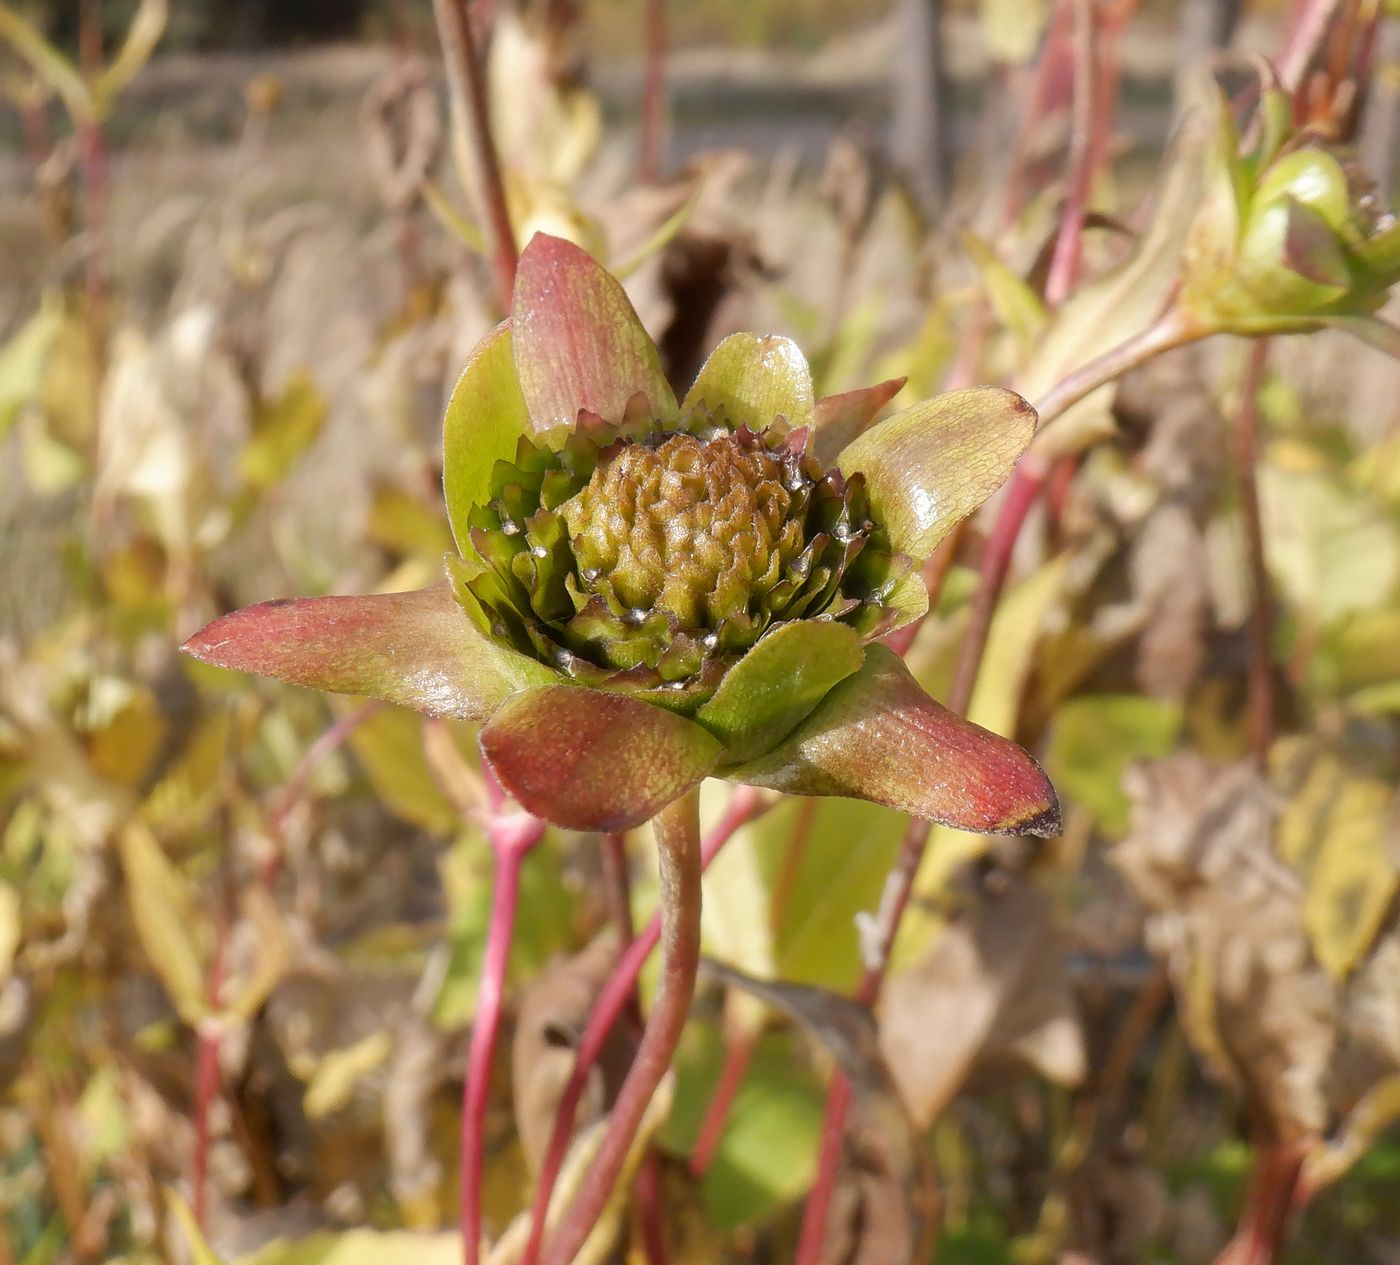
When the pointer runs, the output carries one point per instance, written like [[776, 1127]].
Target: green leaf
[[765, 1160], [750, 379], [590, 760], [878, 736], [777, 684], [577, 340], [418, 649], [930, 466], [485, 419], [1093, 741]]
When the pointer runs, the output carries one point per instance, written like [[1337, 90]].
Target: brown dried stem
[[471, 122]]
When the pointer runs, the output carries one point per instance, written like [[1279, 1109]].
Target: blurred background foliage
[[241, 924]]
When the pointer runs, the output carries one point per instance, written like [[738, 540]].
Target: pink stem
[[295, 787], [677, 830], [738, 1051], [1064, 260], [1021, 494], [744, 805], [647, 1186], [1263, 1225], [814, 1216], [206, 1074], [512, 836]]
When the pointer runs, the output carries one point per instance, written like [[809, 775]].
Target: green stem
[[677, 830], [1173, 329]]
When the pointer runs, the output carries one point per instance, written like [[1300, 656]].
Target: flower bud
[[1289, 237]]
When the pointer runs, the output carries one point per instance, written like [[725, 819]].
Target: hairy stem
[[512, 836], [1259, 712], [744, 805], [677, 830], [471, 122]]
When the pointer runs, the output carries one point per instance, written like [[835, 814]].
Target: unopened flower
[[648, 592], [1291, 236]]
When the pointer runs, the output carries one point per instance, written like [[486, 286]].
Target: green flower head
[[1291, 236], [648, 592]]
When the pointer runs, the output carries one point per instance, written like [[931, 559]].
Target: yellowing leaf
[[165, 920], [390, 747], [1330, 551], [22, 359], [244, 997], [361, 1247], [1016, 305], [334, 1079], [282, 432], [200, 1251], [1334, 832], [736, 920], [1011, 643], [11, 928]]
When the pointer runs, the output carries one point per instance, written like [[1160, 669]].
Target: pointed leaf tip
[[418, 649], [577, 340], [878, 736], [588, 759]]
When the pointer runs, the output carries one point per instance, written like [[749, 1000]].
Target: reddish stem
[[206, 1072], [737, 1052], [511, 835], [295, 787], [1264, 1220], [653, 90], [647, 1186], [894, 900], [677, 831], [1259, 678], [744, 805], [1021, 494], [1065, 258], [471, 112], [814, 1216]]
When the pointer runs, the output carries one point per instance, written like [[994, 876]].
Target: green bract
[[1290, 238], [649, 592]]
